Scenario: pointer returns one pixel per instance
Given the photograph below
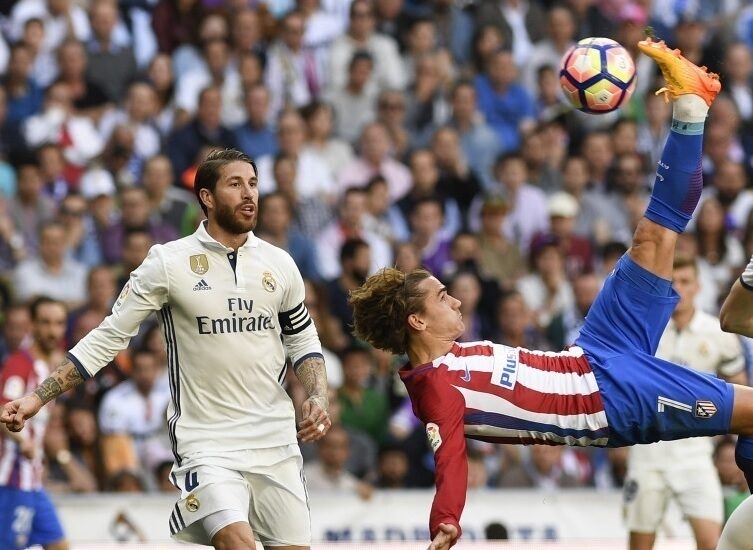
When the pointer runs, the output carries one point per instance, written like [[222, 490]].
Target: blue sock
[[744, 458], [679, 179]]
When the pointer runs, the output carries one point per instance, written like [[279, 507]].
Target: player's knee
[[236, 536]]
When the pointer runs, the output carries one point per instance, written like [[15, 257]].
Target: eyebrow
[[441, 290]]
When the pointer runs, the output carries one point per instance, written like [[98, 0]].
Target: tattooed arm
[[15, 413], [313, 376]]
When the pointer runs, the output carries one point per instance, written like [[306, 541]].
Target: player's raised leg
[[678, 183], [236, 536]]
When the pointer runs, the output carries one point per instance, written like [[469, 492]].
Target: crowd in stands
[[387, 132]]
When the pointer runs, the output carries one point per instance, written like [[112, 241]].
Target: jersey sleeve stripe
[[79, 367], [173, 378], [555, 362], [499, 425]]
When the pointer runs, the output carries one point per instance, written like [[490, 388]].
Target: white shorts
[[270, 494], [647, 493]]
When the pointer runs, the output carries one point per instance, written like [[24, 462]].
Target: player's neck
[[422, 352], [231, 240]]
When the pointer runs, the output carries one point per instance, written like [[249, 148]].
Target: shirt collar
[[207, 240]]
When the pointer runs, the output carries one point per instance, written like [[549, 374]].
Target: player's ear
[[416, 322], [206, 197]]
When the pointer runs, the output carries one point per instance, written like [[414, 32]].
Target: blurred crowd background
[[387, 132]]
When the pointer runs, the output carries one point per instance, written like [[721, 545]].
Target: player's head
[[225, 187], [393, 308], [48, 323], [685, 282]]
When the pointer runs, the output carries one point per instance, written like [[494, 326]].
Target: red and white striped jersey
[[20, 374], [501, 394]]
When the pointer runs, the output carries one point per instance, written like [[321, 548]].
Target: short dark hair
[[40, 301], [360, 55], [208, 172], [350, 247]]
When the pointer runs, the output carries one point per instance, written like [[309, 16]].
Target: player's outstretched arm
[[315, 420], [737, 311], [15, 413], [445, 538]]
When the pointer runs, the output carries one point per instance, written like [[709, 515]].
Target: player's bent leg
[[59, 545], [641, 541], [706, 533], [234, 536], [738, 531], [653, 248], [742, 424]]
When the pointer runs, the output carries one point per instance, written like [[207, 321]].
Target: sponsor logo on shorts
[[192, 503], [433, 435], [704, 409]]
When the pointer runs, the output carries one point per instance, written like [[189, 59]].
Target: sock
[[679, 179], [744, 458]]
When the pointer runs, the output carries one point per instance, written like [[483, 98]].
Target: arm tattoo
[[313, 376], [61, 380]]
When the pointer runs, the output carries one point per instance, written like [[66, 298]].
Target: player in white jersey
[[683, 469], [736, 316], [231, 308]]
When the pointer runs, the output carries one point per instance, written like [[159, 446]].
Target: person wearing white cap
[[563, 213]]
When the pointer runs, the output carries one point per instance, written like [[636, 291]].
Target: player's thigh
[[211, 498], [706, 533], [738, 531], [698, 493], [742, 412], [645, 497], [279, 504], [236, 535], [46, 529], [16, 518], [628, 314]]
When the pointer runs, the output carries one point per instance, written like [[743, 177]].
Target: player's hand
[[445, 537], [15, 414], [315, 421]]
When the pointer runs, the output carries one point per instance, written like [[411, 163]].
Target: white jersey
[[701, 346], [228, 322]]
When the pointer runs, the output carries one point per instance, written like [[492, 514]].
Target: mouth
[[247, 209]]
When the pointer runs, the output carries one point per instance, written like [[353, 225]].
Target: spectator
[[135, 247], [52, 273], [256, 136], [168, 204], [466, 287], [160, 74], [61, 19], [478, 141], [16, 330], [496, 531], [275, 219], [82, 241], [206, 129], [312, 176], [335, 152], [363, 408], [737, 72], [43, 63], [384, 218], [30, 208], [507, 106], [426, 219], [350, 224], [69, 474], [454, 30], [88, 97], [391, 111], [392, 467], [139, 115], [176, 22], [112, 64], [375, 159], [520, 24], [355, 260], [653, 132], [361, 35], [310, 213], [499, 258], [514, 324], [565, 327], [354, 102], [730, 187], [457, 179], [427, 102], [135, 215], [549, 51], [563, 211], [329, 473], [293, 75], [24, 96], [547, 467], [135, 409]]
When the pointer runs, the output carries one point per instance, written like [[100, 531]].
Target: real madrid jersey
[[229, 320], [704, 347]]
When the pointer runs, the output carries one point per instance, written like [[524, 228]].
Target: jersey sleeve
[[14, 375], [146, 291], [441, 408], [731, 360], [298, 331]]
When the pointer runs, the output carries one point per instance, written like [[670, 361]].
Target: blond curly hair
[[382, 305]]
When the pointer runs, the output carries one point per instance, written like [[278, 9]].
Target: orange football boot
[[681, 76]]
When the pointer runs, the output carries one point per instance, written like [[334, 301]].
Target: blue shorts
[[27, 518], [647, 399]]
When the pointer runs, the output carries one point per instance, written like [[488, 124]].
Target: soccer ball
[[597, 75]]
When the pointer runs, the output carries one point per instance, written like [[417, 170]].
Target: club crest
[[268, 282]]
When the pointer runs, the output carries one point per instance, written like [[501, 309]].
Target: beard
[[360, 276], [227, 219]]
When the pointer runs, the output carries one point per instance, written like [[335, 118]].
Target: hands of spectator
[[444, 538], [365, 490]]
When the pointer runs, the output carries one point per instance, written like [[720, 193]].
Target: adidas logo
[[202, 285]]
